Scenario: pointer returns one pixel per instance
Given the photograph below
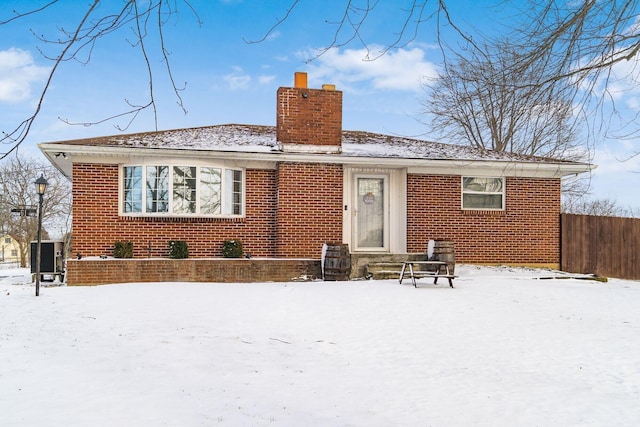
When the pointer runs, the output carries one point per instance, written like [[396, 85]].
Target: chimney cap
[[300, 80]]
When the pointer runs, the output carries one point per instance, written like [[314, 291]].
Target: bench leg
[[413, 277], [402, 272]]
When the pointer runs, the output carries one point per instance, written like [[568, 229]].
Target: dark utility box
[[51, 257]]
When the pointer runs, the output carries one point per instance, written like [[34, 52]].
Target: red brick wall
[[309, 208], [292, 211], [96, 224], [527, 232], [312, 119]]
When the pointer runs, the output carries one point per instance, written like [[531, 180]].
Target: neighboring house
[[10, 252], [286, 190]]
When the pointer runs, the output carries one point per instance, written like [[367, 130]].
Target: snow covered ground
[[501, 349]]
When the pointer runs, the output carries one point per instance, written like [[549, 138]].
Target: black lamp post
[[41, 186]]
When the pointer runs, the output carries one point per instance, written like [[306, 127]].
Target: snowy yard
[[501, 349]]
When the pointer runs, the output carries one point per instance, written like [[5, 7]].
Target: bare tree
[[579, 42], [480, 101], [582, 40], [143, 22], [351, 19], [598, 207], [18, 193], [594, 45], [142, 19]]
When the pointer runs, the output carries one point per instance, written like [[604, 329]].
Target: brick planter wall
[[105, 271]]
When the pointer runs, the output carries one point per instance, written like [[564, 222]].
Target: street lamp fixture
[[41, 187]]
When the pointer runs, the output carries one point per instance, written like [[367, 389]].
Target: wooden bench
[[436, 272]]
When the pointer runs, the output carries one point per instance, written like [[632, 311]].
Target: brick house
[[285, 191]]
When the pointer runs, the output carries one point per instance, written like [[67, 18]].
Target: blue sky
[[231, 81]]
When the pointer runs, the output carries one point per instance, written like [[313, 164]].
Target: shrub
[[178, 249], [123, 249], [232, 248]]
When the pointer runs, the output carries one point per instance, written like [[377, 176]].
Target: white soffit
[[62, 155]]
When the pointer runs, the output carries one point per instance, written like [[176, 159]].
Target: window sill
[[480, 212], [192, 219]]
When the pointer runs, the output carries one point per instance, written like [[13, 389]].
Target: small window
[[233, 188], [7, 240], [482, 193]]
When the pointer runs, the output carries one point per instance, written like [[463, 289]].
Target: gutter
[[62, 156]]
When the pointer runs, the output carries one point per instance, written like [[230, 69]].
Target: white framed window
[[181, 190], [482, 193]]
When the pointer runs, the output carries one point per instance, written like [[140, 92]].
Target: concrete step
[[383, 270]]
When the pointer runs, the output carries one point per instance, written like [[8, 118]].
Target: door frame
[[396, 208]]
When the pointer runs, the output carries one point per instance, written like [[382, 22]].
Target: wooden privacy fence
[[606, 246]]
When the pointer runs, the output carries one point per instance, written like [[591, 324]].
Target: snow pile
[[500, 349]]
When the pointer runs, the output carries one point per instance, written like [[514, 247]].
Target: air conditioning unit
[[51, 259]]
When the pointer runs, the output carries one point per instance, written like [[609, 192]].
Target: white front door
[[371, 213]]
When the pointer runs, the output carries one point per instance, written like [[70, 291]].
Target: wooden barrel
[[337, 262], [443, 250]]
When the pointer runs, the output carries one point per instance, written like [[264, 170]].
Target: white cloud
[[616, 176], [623, 81], [238, 79], [616, 156], [400, 70], [17, 73], [266, 79]]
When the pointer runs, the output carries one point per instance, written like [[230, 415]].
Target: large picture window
[[182, 190], [482, 193]]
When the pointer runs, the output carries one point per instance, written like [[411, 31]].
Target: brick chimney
[[309, 120]]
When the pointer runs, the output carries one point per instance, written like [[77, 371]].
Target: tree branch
[[19, 134]]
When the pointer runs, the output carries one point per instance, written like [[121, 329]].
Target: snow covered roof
[[260, 140]]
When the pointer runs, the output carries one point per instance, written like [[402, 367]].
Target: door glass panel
[[370, 213]]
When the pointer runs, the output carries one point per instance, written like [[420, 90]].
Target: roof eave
[[64, 155]]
